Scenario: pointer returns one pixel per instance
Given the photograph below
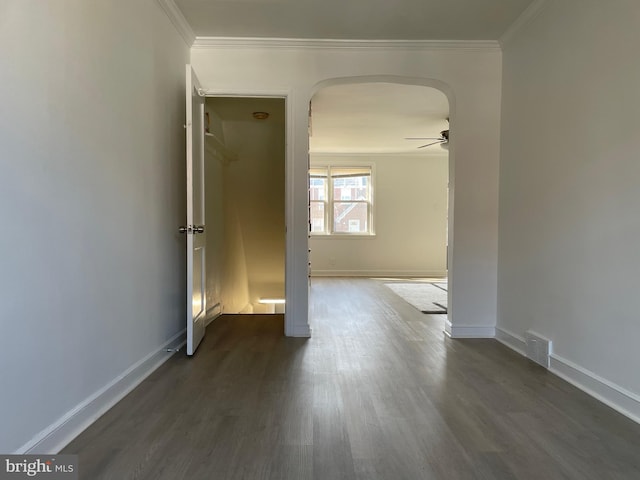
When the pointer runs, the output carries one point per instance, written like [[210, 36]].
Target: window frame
[[329, 200]]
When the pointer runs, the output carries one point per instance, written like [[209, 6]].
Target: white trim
[[377, 273], [620, 399], [468, 331], [623, 401], [178, 20], [527, 16], [293, 312], [57, 435], [290, 327], [300, 331], [283, 92], [212, 313], [318, 43], [511, 340], [447, 327]]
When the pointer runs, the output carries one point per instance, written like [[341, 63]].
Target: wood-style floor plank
[[378, 392]]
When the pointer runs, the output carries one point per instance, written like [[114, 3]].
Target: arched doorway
[[379, 178]]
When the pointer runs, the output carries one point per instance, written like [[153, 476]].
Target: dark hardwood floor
[[378, 392]]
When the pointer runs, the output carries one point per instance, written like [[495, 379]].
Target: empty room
[[192, 290]]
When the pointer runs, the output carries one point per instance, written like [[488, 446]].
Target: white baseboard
[[469, 331], [57, 435], [379, 273], [213, 313], [511, 340], [298, 331], [623, 401], [447, 327]]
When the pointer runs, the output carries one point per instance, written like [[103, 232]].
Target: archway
[[373, 141]]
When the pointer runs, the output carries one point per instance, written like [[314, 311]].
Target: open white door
[[195, 228]]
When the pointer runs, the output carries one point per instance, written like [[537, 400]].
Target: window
[[340, 200], [318, 200]]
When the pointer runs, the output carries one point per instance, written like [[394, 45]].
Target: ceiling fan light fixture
[[445, 136], [442, 140]]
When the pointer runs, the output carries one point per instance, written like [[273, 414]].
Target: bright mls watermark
[[50, 467]]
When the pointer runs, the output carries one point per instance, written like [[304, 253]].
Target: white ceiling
[[238, 109], [363, 118], [376, 118], [355, 118], [353, 19]]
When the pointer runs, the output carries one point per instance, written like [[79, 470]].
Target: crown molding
[[525, 17], [318, 43], [178, 20]]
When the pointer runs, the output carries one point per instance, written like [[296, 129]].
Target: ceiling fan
[[443, 139]]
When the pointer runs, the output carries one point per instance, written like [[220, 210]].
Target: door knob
[[198, 229]]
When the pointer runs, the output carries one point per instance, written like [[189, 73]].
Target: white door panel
[[195, 228]]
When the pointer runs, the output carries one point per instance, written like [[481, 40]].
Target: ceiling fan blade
[[423, 138], [440, 140]]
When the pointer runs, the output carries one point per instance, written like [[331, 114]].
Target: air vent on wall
[[538, 348]]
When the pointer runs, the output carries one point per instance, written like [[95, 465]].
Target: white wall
[[569, 196], [410, 218], [92, 192], [215, 161], [470, 75]]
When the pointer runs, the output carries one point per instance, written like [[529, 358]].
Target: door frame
[[286, 95]]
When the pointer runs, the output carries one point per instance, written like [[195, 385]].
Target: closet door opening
[[245, 151]]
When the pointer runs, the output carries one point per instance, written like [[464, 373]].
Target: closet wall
[[216, 157], [245, 203]]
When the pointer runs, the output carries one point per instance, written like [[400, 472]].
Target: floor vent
[[538, 348]]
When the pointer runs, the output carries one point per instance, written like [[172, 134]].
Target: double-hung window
[[340, 200]]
